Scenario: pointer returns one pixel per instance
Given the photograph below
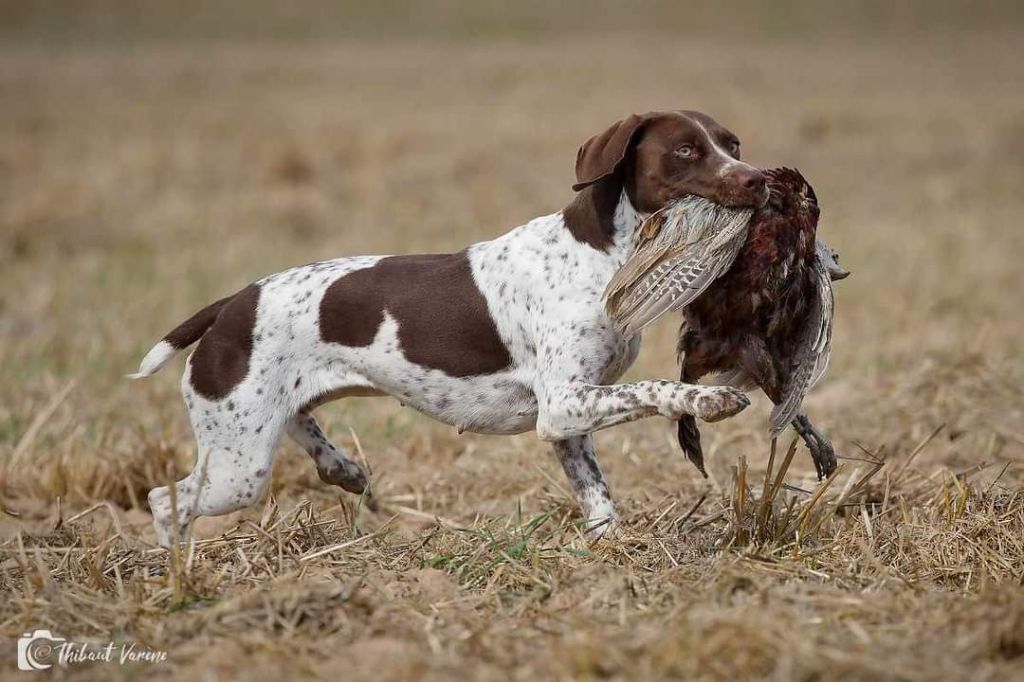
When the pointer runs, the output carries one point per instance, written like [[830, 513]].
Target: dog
[[503, 337]]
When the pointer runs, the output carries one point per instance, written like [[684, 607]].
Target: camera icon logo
[[36, 648]]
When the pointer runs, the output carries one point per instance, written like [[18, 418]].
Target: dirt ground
[[140, 182]]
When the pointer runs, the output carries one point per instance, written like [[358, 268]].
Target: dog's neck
[[602, 217], [625, 223]]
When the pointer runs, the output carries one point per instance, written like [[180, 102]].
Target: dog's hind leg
[[332, 465], [236, 444], [576, 455]]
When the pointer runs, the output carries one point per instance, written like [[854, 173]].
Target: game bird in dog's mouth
[[755, 289]]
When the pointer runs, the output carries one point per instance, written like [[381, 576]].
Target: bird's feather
[[678, 252]]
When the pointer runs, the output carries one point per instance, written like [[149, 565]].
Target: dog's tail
[[179, 338]]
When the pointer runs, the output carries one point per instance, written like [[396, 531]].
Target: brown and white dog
[[503, 337]]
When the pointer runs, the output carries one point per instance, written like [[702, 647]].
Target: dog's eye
[[686, 151], [734, 149]]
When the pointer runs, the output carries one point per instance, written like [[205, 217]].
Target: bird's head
[[829, 258], [662, 156]]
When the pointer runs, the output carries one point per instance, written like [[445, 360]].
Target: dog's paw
[[719, 402], [348, 476], [606, 528]]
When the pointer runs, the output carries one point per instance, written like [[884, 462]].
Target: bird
[[767, 320]]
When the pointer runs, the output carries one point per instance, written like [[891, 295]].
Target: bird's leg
[[758, 363], [821, 448]]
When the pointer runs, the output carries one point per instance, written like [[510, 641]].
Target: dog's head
[[663, 155]]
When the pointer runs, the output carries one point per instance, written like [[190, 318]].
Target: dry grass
[[136, 185]]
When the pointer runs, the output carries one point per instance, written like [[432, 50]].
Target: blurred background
[[121, 22], [155, 156]]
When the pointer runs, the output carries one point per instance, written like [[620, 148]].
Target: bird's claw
[[824, 457], [822, 452]]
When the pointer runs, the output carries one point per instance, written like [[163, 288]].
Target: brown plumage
[[767, 320]]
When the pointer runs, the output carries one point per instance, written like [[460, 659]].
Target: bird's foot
[[822, 452]]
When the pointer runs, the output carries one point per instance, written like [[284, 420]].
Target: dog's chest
[[544, 290], [623, 355]]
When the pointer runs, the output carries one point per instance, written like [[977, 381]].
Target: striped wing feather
[[674, 286], [679, 252]]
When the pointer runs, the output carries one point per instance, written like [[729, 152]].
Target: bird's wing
[[812, 352], [673, 284], [671, 268], [648, 251]]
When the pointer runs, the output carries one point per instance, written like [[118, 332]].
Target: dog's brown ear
[[601, 155]]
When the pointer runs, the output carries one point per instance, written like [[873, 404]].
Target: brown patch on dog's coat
[[221, 361], [443, 320]]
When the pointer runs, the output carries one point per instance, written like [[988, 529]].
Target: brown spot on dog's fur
[[443, 321], [221, 360]]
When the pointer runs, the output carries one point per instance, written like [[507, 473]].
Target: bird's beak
[[837, 273]]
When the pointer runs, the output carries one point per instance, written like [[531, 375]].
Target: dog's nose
[[751, 180]]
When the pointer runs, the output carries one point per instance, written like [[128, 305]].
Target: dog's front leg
[[576, 455], [574, 408]]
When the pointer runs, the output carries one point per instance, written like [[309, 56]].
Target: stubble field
[[137, 185]]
